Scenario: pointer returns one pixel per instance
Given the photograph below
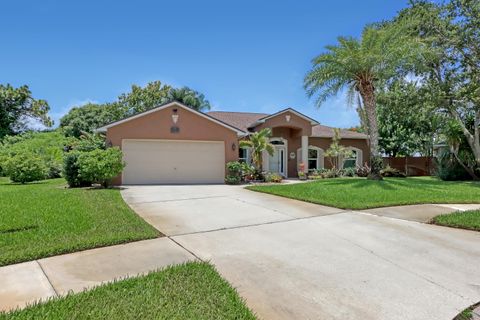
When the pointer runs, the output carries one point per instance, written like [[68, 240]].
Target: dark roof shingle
[[243, 120], [240, 120]]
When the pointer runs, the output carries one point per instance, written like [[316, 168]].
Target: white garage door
[[173, 162]]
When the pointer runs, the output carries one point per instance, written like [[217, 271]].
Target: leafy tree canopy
[[86, 118], [18, 108], [408, 121], [451, 32]]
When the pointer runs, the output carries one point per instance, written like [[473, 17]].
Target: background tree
[[452, 74], [360, 66], [189, 97], [407, 120], [141, 99], [86, 118], [18, 107], [259, 142]]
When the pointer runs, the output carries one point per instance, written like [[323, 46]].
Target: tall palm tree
[[259, 142], [360, 66]]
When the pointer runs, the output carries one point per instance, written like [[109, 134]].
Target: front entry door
[[276, 162]]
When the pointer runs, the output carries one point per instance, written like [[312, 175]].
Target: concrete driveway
[[294, 260]]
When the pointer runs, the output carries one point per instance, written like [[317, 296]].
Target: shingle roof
[[243, 120], [240, 120], [327, 132]]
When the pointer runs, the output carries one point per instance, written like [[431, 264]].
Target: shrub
[[392, 172], [89, 142], [48, 146], [448, 168], [242, 170], [100, 166], [248, 171], [71, 171], [234, 168], [25, 167], [348, 172], [232, 179], [363, 171], [234, 172], [331, 173], [273, 177]]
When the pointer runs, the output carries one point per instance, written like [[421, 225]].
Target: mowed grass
[[45, 218], [466, 220], [189, 291], [360, 193]]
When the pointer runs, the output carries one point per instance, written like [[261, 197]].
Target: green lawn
[[44, 219], [190, 291], [465, 220], [360, 193]]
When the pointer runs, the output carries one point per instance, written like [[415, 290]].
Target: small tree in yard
[[71, 170], [25, 167], [100, 166], [258, 143], [336, 152]]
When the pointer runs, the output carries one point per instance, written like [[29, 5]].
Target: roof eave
[[166, 105], [329, 137]]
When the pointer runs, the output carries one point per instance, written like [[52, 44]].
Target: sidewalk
[[27, 282]]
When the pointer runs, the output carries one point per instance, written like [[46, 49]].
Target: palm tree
[[258, 143], [189, 97], [360, 66]]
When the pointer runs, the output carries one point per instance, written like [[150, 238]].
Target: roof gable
[[241, 120], [295, 112], [167, 105]]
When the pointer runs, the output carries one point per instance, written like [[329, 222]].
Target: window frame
[[246, 159], [358, 157], [320, 164]]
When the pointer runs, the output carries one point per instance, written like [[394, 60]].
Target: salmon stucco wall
[[324, 143], [291, 130], [157, 125], [295, 122]]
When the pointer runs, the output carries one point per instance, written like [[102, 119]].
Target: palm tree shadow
[[360, 183]]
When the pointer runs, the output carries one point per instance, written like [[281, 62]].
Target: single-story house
[[174, 144]]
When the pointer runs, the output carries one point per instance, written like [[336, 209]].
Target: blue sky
[[243, 55]]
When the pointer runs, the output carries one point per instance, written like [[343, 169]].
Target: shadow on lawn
[[396, 183], [9, 183], [358, 183]]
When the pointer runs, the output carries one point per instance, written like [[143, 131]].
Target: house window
[[313, 159], [351, 162], [243, 155]]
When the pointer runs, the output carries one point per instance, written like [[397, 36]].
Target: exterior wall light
[[287, 117], [234, 146], [175, 118]]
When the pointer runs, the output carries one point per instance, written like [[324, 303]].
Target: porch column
[[305, 152]]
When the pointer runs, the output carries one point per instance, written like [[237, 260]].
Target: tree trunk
[[470, 171], [367, 91], [473, 140]]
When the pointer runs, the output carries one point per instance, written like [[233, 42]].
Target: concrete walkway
[[421, 212], [295, 260], [45, 278], [288, 259]]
